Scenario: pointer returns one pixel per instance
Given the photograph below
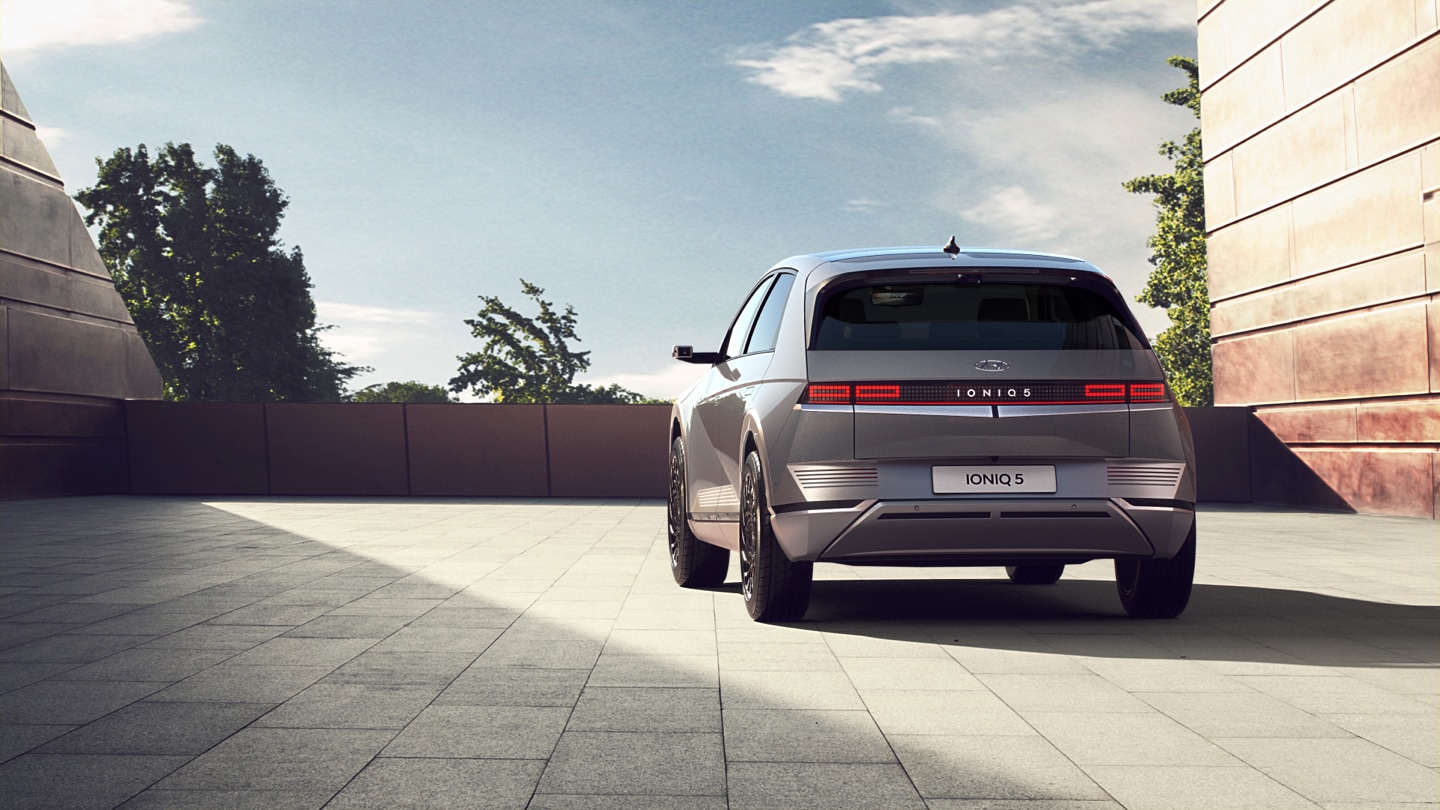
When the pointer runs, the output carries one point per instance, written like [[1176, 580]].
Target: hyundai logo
[[992, 365]]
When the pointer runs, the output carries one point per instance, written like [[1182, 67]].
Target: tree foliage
[[410, 391], [225, 311], [1178, 282], [528, 359]]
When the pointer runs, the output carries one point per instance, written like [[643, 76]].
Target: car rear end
[[987, 409]]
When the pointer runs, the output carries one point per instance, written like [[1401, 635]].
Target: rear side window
[[740, 329], [767, 323], [970, 316]]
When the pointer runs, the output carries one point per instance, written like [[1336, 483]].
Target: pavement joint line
[[889, 745]]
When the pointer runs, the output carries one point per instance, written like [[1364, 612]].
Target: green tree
[[225, 311], [410, 391], [1178, 282], [529, 360]]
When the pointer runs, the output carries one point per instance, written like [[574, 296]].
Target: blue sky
[[643, 161]]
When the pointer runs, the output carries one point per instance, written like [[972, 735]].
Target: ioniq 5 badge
[[992, 365]]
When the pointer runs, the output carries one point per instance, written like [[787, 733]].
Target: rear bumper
[[982, 532]]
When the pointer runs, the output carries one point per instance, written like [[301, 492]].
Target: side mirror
[[687, 354]]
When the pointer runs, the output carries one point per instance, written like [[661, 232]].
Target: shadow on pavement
[[1222, 622]]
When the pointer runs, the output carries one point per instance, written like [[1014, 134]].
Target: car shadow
[[724, 587], [1222, 622]]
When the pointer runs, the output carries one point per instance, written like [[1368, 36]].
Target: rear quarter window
[[950, 316]]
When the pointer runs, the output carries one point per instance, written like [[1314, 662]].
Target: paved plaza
[[361, 653]]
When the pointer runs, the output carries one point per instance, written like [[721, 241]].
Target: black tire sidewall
[[751, 543], [780, 588], [693, 562], [1158, 589], [675, 528]]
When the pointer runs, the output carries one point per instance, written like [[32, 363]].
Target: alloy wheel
[[676, 506], [749, 535]]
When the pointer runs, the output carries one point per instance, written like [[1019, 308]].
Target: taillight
[[1147, 392], [1104, 392], [827, 394], [877, 393], [977, 392]]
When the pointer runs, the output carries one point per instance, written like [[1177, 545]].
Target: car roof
[[859, 259]]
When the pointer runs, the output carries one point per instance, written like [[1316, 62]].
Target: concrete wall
[[422, 450], [68, 349], [1322, 190]]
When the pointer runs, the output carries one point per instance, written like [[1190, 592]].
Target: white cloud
[[1012, 210], [907, 115], [356, 348], [364, 334], [398, 344], [863, 205], [830, 59], [29, 26], [51, 136], [333, 311]]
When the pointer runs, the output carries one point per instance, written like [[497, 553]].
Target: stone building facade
[[69, 353], [1321, 123]]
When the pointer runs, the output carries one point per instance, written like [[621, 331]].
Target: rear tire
[[775, 589], [694, 562], [1034, 574], [1157, 589]]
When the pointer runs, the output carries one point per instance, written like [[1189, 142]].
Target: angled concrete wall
[[69, 353], [1322, 199]]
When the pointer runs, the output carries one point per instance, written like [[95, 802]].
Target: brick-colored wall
[[1321, 123], [199, 448]]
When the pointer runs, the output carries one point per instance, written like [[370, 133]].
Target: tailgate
[[912, 431]]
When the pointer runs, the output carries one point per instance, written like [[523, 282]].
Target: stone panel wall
[[471, 450], [69, 353], [1321, 121]]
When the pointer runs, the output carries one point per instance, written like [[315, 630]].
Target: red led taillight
[[985, 392], [828, 394], [1147, 392], [1104, 392], [877, 393]]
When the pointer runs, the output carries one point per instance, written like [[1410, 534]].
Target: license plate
[[992, 479]]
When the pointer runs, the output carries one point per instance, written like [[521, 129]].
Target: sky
[[645, 161]]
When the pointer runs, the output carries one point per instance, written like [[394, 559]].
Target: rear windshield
[[970, 316]]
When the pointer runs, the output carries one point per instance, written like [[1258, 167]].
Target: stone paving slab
[[378, 653]]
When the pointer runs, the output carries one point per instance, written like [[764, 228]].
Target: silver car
[[931, 407]]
